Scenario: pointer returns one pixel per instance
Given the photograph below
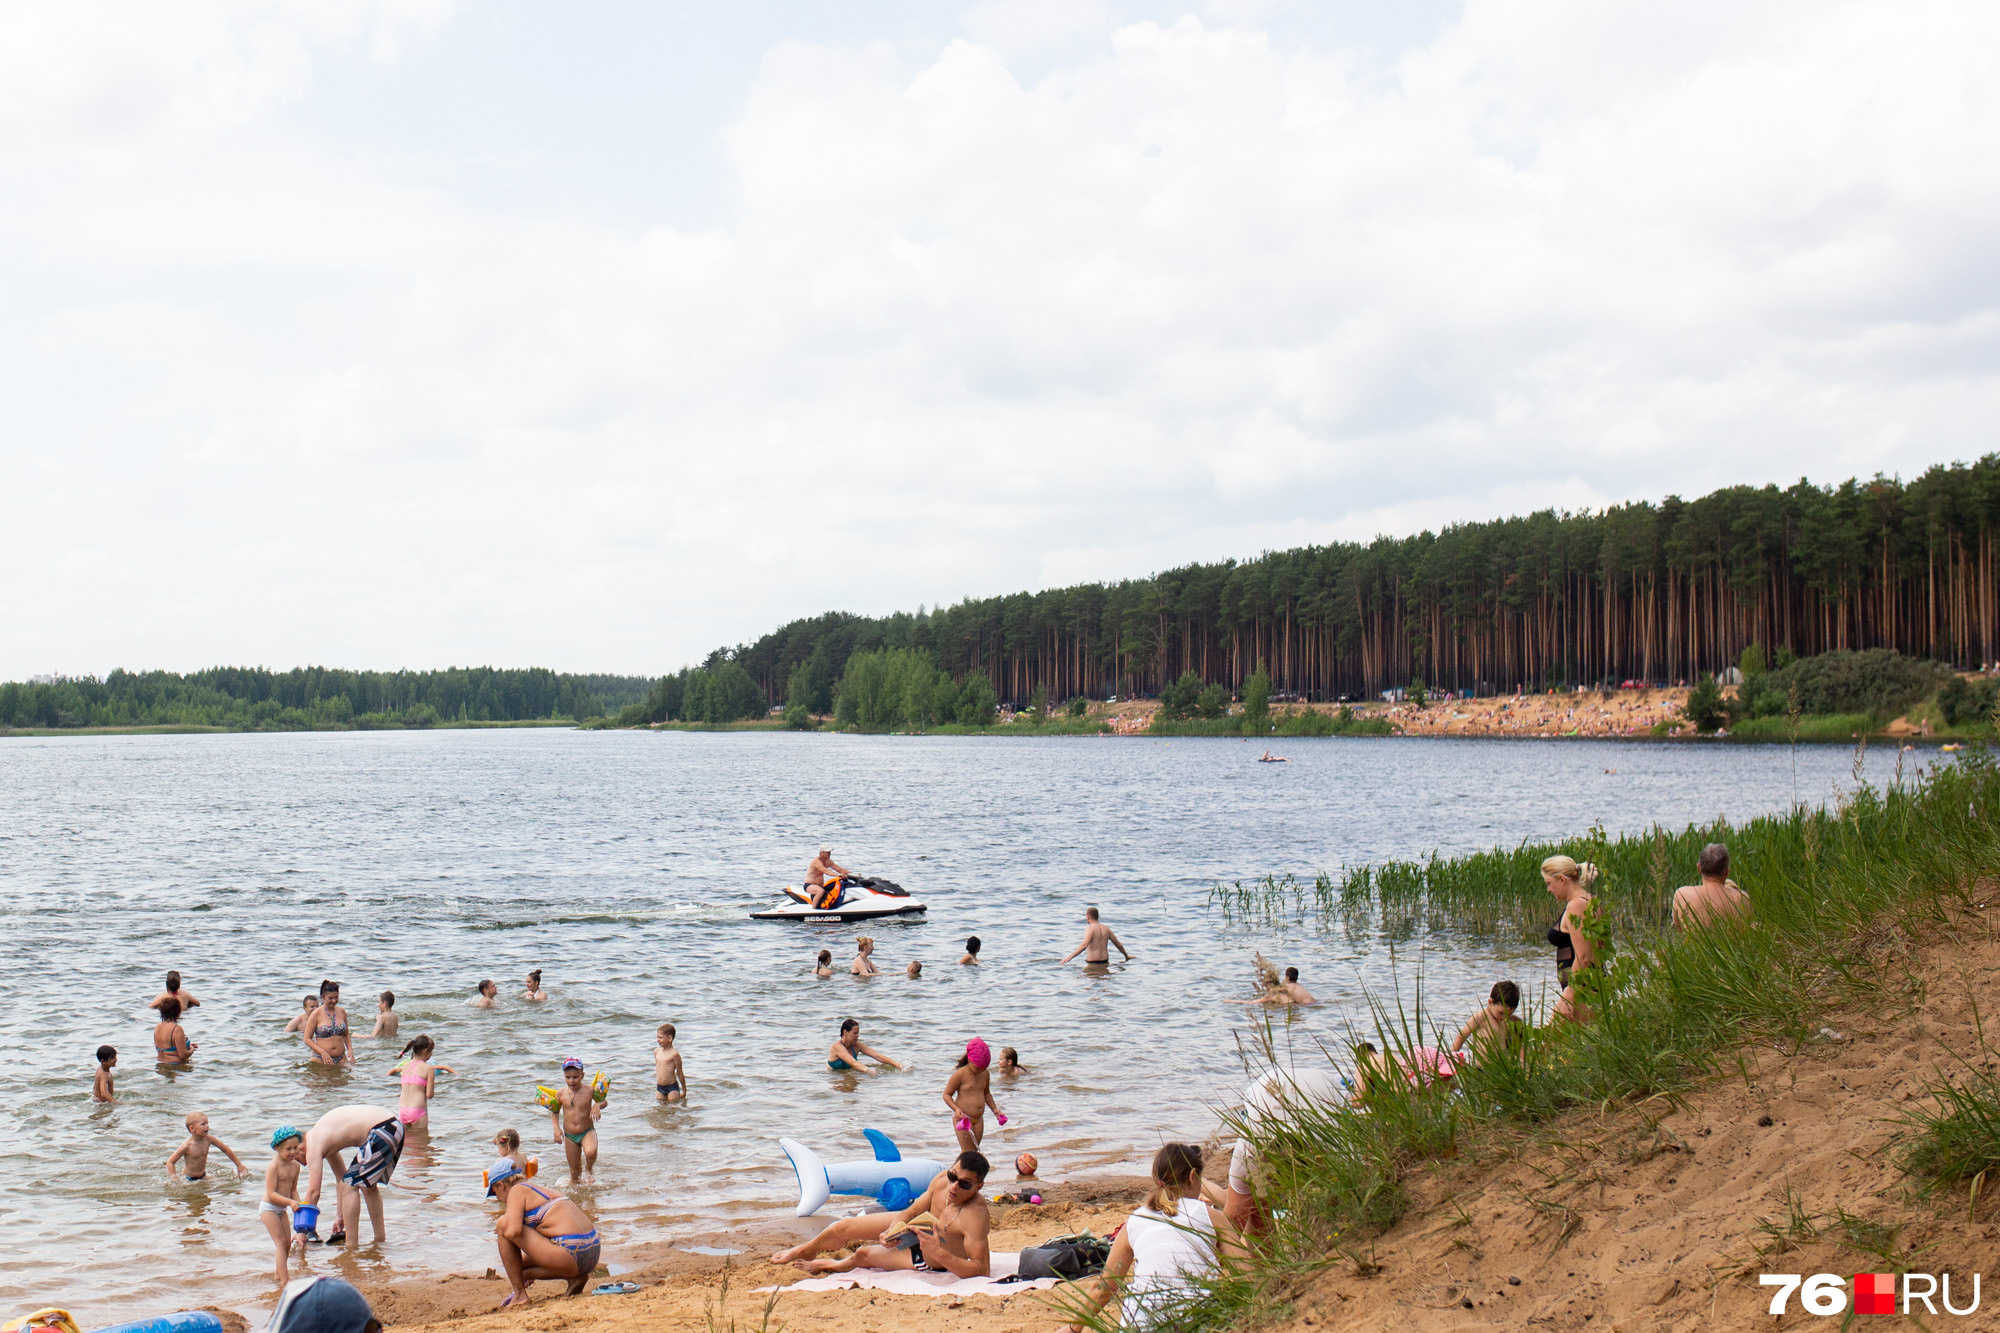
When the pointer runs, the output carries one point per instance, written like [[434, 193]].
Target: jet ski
[[862, 898]]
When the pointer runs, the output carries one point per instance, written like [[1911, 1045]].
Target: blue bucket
[[305, 1218]]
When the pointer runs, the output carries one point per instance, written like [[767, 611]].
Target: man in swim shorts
[[946, 1229], [378, 1134], [822, 894], [1097, 937]]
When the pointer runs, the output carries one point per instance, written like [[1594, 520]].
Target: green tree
[[1704, 704], [1416, 692], [978, 705], [1177, 700], [1257, 703], [1212, 702]]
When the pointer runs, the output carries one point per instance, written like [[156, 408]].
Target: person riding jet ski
[[826, 894]]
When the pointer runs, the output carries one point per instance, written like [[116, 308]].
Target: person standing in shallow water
[[1569, 884], [1716, 900], [1096, 938]]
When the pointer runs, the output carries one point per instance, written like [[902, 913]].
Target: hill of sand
[[1645, 1218]]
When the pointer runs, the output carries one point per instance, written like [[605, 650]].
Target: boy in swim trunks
[[195, 1150], [281, 1188], [575, 1121], [669, 1078], [101, 1089], [386, 1021]]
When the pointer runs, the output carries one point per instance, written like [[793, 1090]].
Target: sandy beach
[[1607, 715]]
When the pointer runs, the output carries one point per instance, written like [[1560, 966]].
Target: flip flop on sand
[[513, 1298], [616, 1288]]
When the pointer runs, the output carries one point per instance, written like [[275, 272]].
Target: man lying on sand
[[945, 1230]]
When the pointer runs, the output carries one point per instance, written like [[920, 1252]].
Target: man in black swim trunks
[[824, 895]]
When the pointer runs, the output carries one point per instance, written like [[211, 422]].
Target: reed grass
[[1842, 895]]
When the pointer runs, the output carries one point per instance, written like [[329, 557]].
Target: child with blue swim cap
[[281, 1190]]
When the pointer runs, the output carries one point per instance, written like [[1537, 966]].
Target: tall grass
[[1841, 897]]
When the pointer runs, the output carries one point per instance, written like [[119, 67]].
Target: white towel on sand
[[909, 1282]]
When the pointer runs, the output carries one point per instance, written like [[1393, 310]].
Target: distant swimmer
[[484, 995], [534, 989], [1096, 935], [1268, 758], [193, 1153], [824, 966], [863, 965], [302, 1022], [847, 1050], [971, 958], [1716, 900], [174, 992], [1299, 994], [386, 1021], [825, 895]]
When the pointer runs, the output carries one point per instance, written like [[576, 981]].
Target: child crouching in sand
[[281, 1188]]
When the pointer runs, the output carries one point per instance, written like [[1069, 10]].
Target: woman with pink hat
[[969, 1091]]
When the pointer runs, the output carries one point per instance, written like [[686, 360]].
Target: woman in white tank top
[[1172, 1238]]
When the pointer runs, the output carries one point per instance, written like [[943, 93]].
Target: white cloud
[[1193, 293]]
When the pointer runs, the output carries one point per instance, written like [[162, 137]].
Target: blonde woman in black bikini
[[1569, 883]]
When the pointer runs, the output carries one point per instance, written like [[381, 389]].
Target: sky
[[406, 333]]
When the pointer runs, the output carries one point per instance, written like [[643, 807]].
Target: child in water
[[386, 1021], [575, 1120], [195, 1150], [914, 970], [1010, 1062], [669, 1078], [968, 1092], [418, 1077], [824, 968], [508, 1141], [281, 1189], [101, 1089]]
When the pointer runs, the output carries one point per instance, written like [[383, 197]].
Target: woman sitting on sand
[[542, 1235], [1716, 900], [1175, 1236], [1569, 883]]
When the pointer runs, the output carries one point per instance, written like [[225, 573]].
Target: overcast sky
[[596, 335]]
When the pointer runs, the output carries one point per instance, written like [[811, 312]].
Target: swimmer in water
[[194, 1152], [968, 1092], [418, 1077], [863, 966], [1010, 1062], [669, 1077], [483, 995], [281, 1195], [328, 1036], [914, 970], [824, 967], [174, 992], [535, 991], [574, 1119], [302, 1021], [102, 1088], [386, 1021], [847, 1050], [170, 1040], [1096, 936], [971, 958]]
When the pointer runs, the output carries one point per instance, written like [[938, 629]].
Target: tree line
[[1651, 592], [312, 698]]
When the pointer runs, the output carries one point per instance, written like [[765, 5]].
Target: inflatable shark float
[[889, 1180]]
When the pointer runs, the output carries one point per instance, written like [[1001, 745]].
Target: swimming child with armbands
[[574, 1118]]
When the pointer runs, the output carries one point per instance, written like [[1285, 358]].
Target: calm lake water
[[624, 865]]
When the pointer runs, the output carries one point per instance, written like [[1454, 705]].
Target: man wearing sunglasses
[[950, 1234]]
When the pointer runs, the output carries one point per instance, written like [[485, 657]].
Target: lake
[[624, 865]]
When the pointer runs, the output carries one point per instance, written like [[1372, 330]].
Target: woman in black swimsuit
[[1569, 883]]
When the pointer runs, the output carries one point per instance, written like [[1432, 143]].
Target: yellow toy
[[51, 1319], [548, 1097], [600, 1087]]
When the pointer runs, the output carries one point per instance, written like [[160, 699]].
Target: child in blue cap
[[281, 1190]]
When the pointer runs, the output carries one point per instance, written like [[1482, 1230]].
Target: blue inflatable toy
[[186, 1321], [890, 1180]]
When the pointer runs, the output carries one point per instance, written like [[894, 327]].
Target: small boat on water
[[862, 898]]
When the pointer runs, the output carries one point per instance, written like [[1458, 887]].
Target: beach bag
[[1066, 1257]]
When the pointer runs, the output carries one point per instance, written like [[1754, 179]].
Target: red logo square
[[1874, 1293]]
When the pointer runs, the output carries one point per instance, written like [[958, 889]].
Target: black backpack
[[1067, 1257]]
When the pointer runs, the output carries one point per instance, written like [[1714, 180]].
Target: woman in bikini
[[1569, 883], [170, 1041], [535, 991], [862, 966], [419, 1079], [847, 1050], [543, 1236], [327, 1037]]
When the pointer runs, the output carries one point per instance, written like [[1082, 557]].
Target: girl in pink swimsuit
[[419, 1080]]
